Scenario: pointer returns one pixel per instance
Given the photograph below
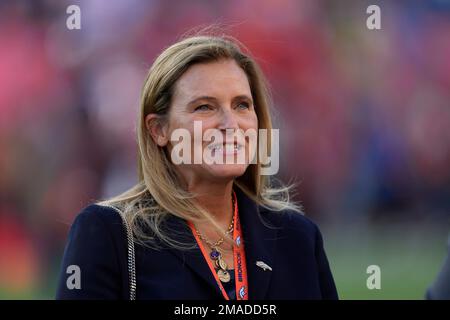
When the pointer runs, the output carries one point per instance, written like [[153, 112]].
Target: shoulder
[[293, 225], [98, 212], [96, 245], [290, 220], [94, 229], [95, 216]]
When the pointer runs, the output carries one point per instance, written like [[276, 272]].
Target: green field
[[409, 258]]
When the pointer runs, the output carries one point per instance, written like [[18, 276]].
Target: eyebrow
[[209, 98]]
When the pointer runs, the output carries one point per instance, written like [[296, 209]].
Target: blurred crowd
[[364, 115]]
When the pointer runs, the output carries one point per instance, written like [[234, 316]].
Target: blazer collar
[[259, 244]]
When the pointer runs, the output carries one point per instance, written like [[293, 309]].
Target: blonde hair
[[158, 192]]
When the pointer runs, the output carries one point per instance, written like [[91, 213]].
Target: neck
[[217, 199]]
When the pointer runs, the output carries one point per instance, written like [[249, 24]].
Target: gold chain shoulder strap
[[131, 261]]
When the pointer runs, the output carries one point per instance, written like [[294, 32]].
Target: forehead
[[218, 79]]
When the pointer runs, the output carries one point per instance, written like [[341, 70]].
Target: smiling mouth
[[226, 148]]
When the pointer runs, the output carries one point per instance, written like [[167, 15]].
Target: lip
[[225, 148]]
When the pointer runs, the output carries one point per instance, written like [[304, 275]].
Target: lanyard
[[240, 266]]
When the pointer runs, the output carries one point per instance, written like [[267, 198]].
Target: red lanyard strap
[[240, 266]]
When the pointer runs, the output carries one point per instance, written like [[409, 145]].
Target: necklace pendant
[[220, 263], [223, 275], [215, 254]]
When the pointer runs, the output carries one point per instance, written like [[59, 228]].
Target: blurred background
[[364, 118]]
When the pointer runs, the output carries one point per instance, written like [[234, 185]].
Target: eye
[[203, 107], [243, 105]]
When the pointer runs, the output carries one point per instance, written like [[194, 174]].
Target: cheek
[[176, 122], [250, 122]]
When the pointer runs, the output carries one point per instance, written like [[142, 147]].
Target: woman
[[202, 230]]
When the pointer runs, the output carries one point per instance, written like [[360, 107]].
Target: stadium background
[[364, 120]]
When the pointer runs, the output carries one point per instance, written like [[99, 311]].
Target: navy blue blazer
[[292, 247]]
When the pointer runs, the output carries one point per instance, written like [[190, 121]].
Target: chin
[[223, 171]]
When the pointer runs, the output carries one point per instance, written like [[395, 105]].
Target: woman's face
[[216, 95]]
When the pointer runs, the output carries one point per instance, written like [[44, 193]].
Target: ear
[[157, 129]]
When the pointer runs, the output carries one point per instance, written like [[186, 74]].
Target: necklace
[[215, 254]]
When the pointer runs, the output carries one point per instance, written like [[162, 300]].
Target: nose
[[228, 120]]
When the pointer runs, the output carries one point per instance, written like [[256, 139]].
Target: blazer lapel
[[192, 258], [259, 244]]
